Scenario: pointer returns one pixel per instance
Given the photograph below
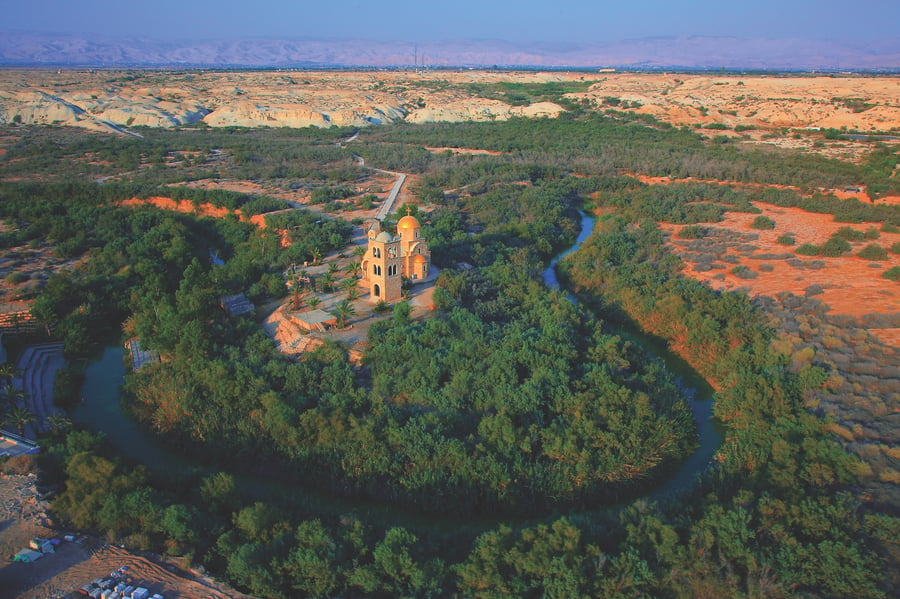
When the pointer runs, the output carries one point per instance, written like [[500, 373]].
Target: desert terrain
[[757, 105]]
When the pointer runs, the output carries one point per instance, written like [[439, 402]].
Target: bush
[[834, 247], [889, 228], [692, 232], [14, 278], [20, 464], [763, 223], [872, 233], [895, 248], [808, 249], [786, 240], [892, 273], [849, 234], [873, 251], [743, 272]]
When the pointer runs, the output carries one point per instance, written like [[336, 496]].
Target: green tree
[[343, 310], [59, 424], [20, 417]]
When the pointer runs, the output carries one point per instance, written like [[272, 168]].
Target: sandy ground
[[74, 564], [849, 284]]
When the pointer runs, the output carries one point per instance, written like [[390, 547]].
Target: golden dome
[[419, 258], [408, 223]]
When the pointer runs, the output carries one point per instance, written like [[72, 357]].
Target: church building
[[388, 259]]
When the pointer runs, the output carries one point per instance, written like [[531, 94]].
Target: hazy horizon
[[527, 21]]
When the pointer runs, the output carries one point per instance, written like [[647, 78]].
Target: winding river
[[694, 387], [101, 410]]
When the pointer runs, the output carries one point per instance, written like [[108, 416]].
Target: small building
[[314, 320], [236, 305], [12, 445], [141, 357]]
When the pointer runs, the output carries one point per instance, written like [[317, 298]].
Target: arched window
[[376, 290]]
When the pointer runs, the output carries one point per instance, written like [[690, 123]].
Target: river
[[101, 410], [709, 433]]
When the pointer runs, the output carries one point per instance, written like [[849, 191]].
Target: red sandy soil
[[181, 206], [850, 285], [862, 196]]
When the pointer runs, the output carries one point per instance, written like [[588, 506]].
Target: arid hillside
[[752, 106]]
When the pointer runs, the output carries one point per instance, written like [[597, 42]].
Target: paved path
[[388, 204]]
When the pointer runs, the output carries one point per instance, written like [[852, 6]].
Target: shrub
[[889, 228], [786, 240], [14, 278], [873, 251], [743, 272], [834, 247], [892, 273], [849, 234], [766, 268], [763, 223], [808, 249], [872, 233], [692, 232], [21, 464], [895, 248]]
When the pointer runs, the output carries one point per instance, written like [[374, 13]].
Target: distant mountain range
[[19, 48]]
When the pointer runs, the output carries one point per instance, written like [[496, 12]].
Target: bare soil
[[23, 516], [848, 284]]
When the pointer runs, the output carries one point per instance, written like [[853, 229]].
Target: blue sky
[[424, 20]]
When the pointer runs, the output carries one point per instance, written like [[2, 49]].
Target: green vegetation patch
[[763, 223]]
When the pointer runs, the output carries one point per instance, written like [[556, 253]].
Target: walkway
[[388, 204]]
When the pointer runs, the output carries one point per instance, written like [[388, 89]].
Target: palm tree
[[296, 295], [349, 284], [333, 267], [8, 370], [13, 395], [360, 251], [313, 301], [20, 418], [343, 310], [59, 423], [327, 280], [353, 269], [316, 254]]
